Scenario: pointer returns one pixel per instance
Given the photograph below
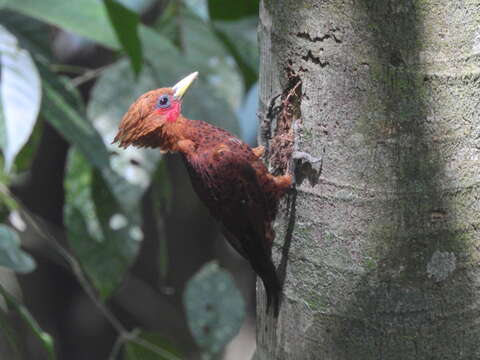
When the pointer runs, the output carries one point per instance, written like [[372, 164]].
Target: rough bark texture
[[380, 251]]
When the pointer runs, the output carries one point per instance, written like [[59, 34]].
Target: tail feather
[[261, 262], [273, 288]]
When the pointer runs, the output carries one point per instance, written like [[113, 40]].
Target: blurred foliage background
[[105, 253]]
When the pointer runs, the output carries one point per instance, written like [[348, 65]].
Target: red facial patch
[[172, 112]]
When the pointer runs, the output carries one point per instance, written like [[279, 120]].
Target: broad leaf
[[240, 38], [35, 37], [61, 110], [125, 23], [64, 111], [87, 17], [104, 237], [215, 308], [20, 92], [31, 34], [11, 255], [45, 339]]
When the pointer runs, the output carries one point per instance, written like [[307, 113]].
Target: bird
[[228, 175]]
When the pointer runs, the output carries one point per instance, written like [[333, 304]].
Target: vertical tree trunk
[[380, 250]]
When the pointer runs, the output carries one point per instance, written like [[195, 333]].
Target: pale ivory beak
[[182, 86]]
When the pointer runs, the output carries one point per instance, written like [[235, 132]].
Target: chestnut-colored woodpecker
[[227, 175]]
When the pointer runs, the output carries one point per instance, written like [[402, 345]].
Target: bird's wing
[[228, 185]]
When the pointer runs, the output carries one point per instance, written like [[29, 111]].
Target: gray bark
[[380, 249]]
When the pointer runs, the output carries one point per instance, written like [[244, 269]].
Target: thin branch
[[117, 346], [56, 68], [89, 75], [77, 270]]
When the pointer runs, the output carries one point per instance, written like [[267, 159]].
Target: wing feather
[[229, 186]]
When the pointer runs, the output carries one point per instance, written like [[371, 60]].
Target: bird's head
[[150, 112]]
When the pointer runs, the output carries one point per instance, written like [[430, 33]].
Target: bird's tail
[[272, 285], [262, 264]]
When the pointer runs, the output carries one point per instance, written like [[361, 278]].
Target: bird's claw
[[259, 151]]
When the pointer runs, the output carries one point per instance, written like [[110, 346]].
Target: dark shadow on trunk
[[416, 301]]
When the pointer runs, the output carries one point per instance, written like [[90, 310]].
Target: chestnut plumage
[[227, 175]]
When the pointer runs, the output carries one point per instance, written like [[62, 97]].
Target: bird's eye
[[163, 102]]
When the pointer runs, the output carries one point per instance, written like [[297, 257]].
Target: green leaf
[[20, 91], [214, 306], [62, 108], [160, 349], [103, 236], [11, 256], [34, 36], [87, 18], [230, 10], [240, 38], [45, 338], [31, 34], [125, 22]]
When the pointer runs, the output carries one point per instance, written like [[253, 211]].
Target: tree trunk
[[379, 245]]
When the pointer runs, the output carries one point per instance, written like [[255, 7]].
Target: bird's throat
[[172, 133]]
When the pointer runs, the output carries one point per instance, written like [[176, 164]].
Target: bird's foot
[[283, 183], [259, 151]]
